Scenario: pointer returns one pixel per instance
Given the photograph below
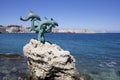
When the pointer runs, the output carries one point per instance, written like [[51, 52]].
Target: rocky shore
[[11, 56], [50, 62], [12, 66], [44, 62]]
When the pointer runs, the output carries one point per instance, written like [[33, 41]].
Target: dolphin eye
[[51, 19]]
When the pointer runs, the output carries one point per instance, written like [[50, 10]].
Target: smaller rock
[[8, 77], [25, 77], [11, 56], [2, 75], [14, 69], [5, 71], [118, 73]]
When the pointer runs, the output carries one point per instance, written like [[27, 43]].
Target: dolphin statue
[[44, 24], [48, 22], [31, 16]]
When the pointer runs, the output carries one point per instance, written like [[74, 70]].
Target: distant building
[[72, 31], [12, 28], [17, 29], [2, 29]]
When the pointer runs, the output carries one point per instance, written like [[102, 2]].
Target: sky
[[98, 15]]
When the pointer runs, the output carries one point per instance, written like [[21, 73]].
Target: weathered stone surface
[[50, 62]]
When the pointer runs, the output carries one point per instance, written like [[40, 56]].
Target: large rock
[[50, 62]]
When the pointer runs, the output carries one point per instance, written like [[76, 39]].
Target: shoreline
[[11, 56], [12, 66], [18, 69], [54, 33]]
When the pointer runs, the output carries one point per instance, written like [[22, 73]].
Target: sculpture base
[[50, 62]]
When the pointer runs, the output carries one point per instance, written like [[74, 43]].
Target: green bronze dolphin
[[44, 26], [31, 16], [46, 23]]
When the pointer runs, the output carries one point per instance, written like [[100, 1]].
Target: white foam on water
[[111, 64]]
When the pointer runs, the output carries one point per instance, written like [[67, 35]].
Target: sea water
[[97, 55]]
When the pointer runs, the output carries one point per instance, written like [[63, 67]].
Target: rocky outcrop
[[50, 62], [11, 56]]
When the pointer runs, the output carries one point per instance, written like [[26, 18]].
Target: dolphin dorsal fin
[[46, 18], [31, 11]]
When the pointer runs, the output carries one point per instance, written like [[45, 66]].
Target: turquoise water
[[96, 54]]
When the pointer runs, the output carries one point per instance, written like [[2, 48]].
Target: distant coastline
[[14, 29], [23, 29]]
